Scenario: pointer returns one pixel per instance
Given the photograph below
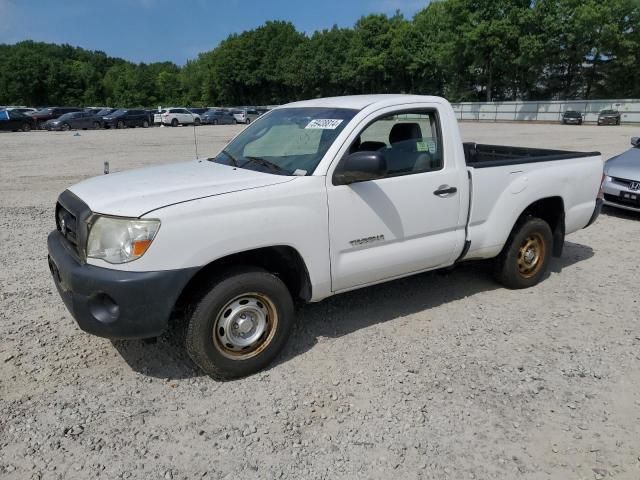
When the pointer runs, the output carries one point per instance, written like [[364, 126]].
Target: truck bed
[[482, 156]]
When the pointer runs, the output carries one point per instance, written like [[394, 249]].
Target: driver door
[[397, 224]]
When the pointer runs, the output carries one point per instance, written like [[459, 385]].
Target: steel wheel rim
[[245, 326], [531, 255]]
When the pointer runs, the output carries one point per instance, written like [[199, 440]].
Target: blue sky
[[176, 30]]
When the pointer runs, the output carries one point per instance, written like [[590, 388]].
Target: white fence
[[546, 111]]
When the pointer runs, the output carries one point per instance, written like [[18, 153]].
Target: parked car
[[317, 198], [218, 117], [622, 179], [609, 117], [50, 113], [125, 118], [572, 117], [177, 116], [75, 121], [15, 121], [245, 116], [198, 111], [25, 110]]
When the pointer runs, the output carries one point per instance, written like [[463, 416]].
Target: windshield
[[67, 116], [104, 112], [118, 112], [288, 141]]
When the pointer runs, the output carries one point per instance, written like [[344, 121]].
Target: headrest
[[401, 132]]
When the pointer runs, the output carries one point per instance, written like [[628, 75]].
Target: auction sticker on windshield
[[324, 123]]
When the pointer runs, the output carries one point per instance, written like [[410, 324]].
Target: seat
[[403, 155]]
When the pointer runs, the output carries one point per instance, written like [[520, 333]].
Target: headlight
[[607, 178], [120, 240]]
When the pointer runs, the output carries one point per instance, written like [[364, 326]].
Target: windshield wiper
[[233, 159], [265, 163]]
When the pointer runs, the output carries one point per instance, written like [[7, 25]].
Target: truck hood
[[626, 165], [135, 192]]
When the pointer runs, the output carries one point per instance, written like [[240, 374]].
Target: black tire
[[66, 127], [197, 122], [120, 124], [96, 125], [235, 122], [215, 122], [205, 341], [174, 122], [530, 237], [26, 127], [145, 124], [618, 122], [248, 121]]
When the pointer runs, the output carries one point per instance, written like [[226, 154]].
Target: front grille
[[72, 215], [67, 225], [622, 181]]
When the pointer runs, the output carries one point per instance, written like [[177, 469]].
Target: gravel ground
[[443, 375]]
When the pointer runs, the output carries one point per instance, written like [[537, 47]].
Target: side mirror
[[360, 167], [635, 141]]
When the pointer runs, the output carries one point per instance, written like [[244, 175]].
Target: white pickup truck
[[312, 199]]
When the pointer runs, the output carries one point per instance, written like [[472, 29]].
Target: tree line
[[464, 50]]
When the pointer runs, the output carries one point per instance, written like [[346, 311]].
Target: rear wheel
[[26, 127], [96, 125], [240, 324], [120, 124], [174, 122], [66, 127], [145, 124], [525, 258], [215, 122], [197, 122]]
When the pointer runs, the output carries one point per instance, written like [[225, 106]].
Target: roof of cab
[[358, 102]]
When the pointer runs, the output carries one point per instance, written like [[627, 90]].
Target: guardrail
[[545, 111]]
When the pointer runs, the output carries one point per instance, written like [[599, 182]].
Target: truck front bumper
[[114, 303]]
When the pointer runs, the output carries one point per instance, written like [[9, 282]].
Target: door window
[[411, 142]]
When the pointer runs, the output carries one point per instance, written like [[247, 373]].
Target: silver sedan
[[622, 179]]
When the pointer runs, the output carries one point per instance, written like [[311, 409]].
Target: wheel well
[[551, 210], [283, 261]]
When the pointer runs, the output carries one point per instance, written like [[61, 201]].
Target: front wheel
[[197, 122], [26, 127], [241, 324], [525, 258], [120, 124], [145, 124]]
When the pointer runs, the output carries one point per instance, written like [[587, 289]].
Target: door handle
[[445, 191]]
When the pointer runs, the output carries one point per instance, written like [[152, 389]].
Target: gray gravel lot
[[443, 375]]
